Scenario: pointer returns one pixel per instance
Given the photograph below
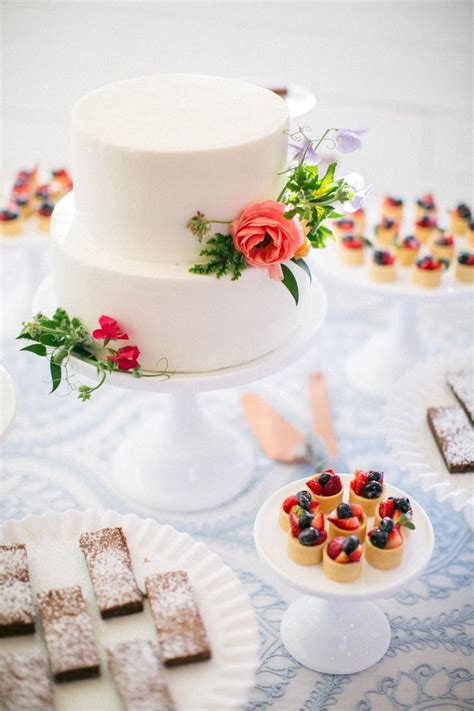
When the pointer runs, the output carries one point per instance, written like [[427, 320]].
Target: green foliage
[[223, 258], [290, 282]]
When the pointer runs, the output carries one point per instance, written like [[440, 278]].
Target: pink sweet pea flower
[[109, 330], [126, 357]]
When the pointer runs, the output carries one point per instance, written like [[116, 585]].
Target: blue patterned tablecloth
[[56, 457]]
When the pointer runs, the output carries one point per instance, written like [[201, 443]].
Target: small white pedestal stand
[[335, 628], [372, 367]]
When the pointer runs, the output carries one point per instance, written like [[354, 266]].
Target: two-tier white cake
[[149, 153]]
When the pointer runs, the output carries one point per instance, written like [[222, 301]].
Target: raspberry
[[288, 503]]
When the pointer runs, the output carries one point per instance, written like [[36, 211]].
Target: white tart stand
[[373, 366], [335, 628], [182, 448]]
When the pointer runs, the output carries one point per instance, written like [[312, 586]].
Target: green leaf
[[223, 258], [49, 339], [56, 375], [36, 348], [406, 521], [290, 282], [304, 266], [60, 355]]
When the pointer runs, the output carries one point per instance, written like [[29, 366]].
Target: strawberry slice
[[315, 486], [394, 538], [356, 555], [333, 486], [313, 506], [294, 524], [288, 503], [342, 558], [318, 522], [335, 547], [358, 511], [322, 537], [348, 524], [329, 471], [359, 481], [386, 508]]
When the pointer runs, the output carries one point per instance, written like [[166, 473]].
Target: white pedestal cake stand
[[181, 448], [335, 628], [373, 366]]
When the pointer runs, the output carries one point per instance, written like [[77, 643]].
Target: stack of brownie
[[135, 665], [452, 426]]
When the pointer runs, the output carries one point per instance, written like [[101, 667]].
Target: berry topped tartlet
[[382, 266], [424, 228], [10, 221], [306, 537], [464, 269], [346, 520], [301, 502], [428, 271], [459, 219], [406, 250], [366, 489], [351, 249], [343, 226], [470, 234], [44, 216], [399, 510], [342, 559], [426, 206], [442, 246], [359, 218], [386, 231], [392, 207], [327, 489], [384, 545]]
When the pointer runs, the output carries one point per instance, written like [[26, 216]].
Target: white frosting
[[149, 153]]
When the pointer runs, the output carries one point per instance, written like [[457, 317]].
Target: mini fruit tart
[[343, 226], [464, 269], [23, 204], [442, 246], [386, 231], [346, 520], [426, 206], [384, 545], [342, 559], [399, 510], [43, 216], [10, 221], [392, 207], [326, 489], [366, 489], [428, 271], [424, 228], [359, 219], [302, 502], [406, 250], [470, 234], [382, 267], [459, 219], [306, 537], [351, 250]]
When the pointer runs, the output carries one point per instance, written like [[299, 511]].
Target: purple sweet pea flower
[[305, 148], [360, 191], [347, 139]]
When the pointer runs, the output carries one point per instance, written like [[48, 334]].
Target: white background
[[401, 68]]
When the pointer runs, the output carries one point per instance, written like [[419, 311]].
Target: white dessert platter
[[409, 435], [372, 367], [7, 401], [351, 632], [55, 560]]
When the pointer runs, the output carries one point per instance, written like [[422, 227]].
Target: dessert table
[[57, 454]]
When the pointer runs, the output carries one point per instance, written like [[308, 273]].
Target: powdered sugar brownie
[[17, 614], [454, 436], [24, 683], [461, 383]]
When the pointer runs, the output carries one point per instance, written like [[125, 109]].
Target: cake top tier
[[179, 113]]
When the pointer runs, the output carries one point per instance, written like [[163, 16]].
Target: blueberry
[[304, 499], [375, 476], [324, 478], [309, 536], [350, 544], [386, 524], [344, 511], [402, 504], [379, 538], [372, 490], [305, 519]]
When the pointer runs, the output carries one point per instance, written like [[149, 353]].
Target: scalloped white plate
[[408, 433], [56, 560]]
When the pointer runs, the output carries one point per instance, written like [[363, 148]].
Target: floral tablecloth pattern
[[56, 457]]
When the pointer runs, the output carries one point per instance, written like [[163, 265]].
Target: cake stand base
[[182, 460], [335, 637]]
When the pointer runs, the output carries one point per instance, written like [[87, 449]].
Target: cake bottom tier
[[197, 323]]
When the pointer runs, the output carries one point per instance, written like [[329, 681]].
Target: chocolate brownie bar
[[17, 613], [462, 384], [68, 634], [181, 633], [111, 574], [139, 676], [454, 436], [24, 683]]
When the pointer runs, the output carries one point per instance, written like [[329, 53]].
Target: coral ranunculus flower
[[126, 357], [266, 237], [109, 330]]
